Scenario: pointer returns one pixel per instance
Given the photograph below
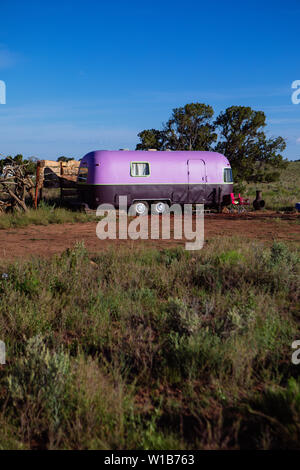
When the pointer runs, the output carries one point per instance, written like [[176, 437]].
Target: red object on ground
[[239, 200]]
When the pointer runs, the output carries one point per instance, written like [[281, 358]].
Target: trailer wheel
[[139, 208], [159, 207]]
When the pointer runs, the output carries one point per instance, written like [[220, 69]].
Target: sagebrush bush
[[36, 387]]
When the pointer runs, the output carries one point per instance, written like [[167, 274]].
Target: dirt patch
[[51, 239]]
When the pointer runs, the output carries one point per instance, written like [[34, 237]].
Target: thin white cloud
[[212, 95], [64, 132], [284, 121], [65, 138], [50, 129]]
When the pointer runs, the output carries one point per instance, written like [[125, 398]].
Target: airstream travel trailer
[[155, 178]]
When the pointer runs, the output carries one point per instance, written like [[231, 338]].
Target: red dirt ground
[[48, 240]]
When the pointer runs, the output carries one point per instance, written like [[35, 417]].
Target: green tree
[[29, 163], [18, 159], [64, 159], [151, 139], [189, 128], [252, 155]]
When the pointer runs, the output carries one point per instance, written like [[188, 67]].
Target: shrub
[[37, 387], [147, 348]]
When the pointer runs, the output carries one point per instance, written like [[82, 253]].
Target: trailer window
[[228, 175], [83, 174], [139, 169]]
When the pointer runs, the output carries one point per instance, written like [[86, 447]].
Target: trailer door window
[[139, 169], [228, 175]]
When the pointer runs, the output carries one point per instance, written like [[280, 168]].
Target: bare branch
[[15, 183]]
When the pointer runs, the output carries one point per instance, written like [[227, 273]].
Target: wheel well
[[151, 201]]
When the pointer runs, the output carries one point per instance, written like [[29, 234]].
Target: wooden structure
[[61, 175]]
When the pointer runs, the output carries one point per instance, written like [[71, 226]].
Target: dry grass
[[283, 194]]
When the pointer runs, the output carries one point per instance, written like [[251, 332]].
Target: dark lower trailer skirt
[[213, 195]]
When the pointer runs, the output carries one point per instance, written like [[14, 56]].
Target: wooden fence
[[62, 175]]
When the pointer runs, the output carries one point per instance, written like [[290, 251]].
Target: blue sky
[[84, 75]]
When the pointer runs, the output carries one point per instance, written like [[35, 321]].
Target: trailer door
[[196, 180]]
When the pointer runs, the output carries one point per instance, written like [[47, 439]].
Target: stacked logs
[[15, 184]]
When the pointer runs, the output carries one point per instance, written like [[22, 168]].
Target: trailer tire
[[139, 208], [159, 207]]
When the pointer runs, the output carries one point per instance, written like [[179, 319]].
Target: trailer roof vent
[[123, 150], [152, 150]]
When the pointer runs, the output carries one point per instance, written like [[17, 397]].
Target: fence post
[[37, 179], [60, 181]]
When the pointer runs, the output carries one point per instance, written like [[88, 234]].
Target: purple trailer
[[155, 178]]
